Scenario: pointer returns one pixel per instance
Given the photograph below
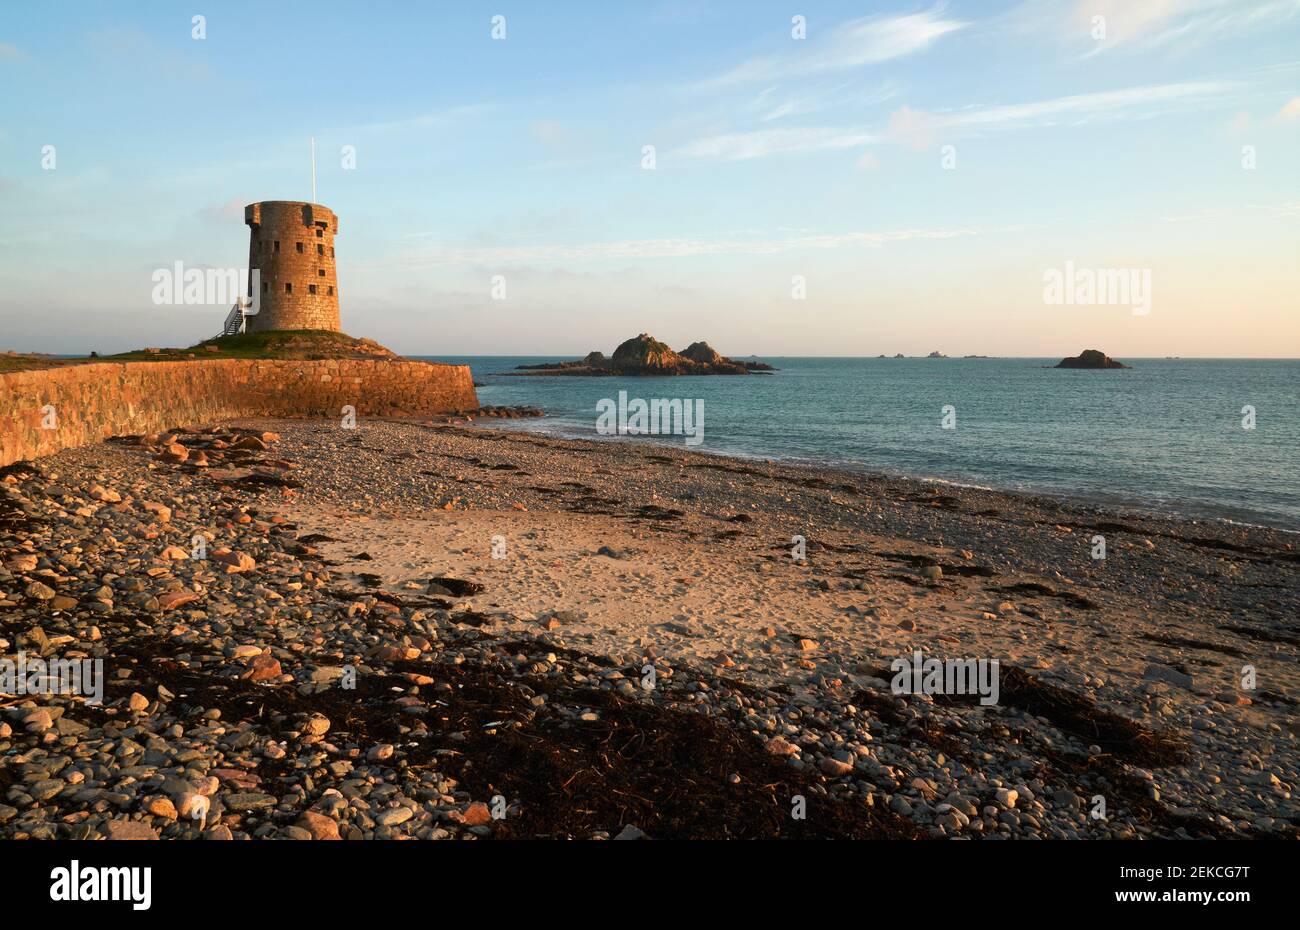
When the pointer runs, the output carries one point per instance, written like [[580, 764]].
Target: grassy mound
[[283, 344], [295, 344]]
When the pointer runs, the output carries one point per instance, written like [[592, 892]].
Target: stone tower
[[292, 246]]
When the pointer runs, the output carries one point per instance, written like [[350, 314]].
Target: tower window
[[299, 245], [331, 290], [320, 249], [277, 246], [331, 251], [288, 287], [266, 286], [319, 234], [311, 289], [320, 272]]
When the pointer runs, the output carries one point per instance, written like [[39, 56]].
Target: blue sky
[[775, 157]]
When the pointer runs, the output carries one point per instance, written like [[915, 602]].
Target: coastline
[[1131, 505], [482, 673]]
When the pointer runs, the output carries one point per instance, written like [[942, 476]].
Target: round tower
[[292, 247]]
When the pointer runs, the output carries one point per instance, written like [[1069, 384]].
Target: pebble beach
[[442, 630]]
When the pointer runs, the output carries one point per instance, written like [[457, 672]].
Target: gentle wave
[[1165, 435]]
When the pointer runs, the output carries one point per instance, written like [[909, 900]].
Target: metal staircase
[[237, 319]]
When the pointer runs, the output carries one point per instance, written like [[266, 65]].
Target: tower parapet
[[292, 247]]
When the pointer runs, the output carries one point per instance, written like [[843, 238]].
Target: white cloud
[[737, 146], [920, 129], [1290, 111], [439, 118], [1078, 108], [915, 129], [1282, 210], [1215, 20], [1146, 24], [131, 48], [852, 44], [498, 256], [226, 212], [817, 99], [1287, 209], [550, 132]]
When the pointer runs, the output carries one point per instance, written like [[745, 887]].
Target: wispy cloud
[[1290, 111], [1129, 102], [919, 129], [133, 49], [1096, 27], [225, 213], [436, 118], [1197, 22], [9, 52], [776, 103], [675, 248], [915, 129], [551, 133], [1287, 209], [852, 44], [1281, 210], [738, 146]]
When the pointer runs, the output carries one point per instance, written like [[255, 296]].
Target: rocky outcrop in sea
[[644, 356], [1090, 358]]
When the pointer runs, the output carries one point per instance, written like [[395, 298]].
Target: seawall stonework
[[96, 401]]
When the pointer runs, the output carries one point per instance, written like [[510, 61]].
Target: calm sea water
[[1165, 435]]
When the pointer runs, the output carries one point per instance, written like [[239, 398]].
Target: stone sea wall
[[95, 401]]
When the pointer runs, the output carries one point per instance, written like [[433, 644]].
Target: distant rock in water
[[645, 355], [1091, 358], [703, 353]]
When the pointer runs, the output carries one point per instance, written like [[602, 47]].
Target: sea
[[1201, 438]]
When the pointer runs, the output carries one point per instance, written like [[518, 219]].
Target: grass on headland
[[279, 344]]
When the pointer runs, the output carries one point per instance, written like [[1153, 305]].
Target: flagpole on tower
[[313, 169]]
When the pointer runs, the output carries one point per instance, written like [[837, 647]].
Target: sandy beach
[[627, 639]]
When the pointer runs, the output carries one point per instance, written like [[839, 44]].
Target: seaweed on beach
[[1267, 636], [312, 539], [1183, 641], [1074, 714], [1033, 587], [260, 479], [667, 771], [455, 587], [1071, 713], [472, 618], [948, 568], [655, 512]]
